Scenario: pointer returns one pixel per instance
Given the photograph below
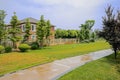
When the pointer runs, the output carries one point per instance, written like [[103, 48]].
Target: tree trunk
[[115, 53], [0, 42]]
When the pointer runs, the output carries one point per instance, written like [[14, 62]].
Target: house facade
[[33, 23]]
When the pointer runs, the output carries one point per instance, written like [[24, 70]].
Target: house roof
[[30, 20]]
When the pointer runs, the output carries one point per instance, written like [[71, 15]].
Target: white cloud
[[74, 3], [62, 13]]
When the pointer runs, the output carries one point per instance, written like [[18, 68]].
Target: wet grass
[[103, 69], [10, 62]]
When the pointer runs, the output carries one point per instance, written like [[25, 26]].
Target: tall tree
[[93, 35], [27, 31], [81, 35], [111, 29], [14, 30], [2, 25], [48, 32], [90, 24], [41, 31], [85, 30]]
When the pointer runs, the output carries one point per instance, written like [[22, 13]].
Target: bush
[[24, 47], [86, 41], [8, 49], [34, 45], [1, 49], [92, 40]]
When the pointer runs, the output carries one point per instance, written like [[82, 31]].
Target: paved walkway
[[53, 70]]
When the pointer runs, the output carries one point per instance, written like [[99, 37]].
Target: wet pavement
[[53, 70]]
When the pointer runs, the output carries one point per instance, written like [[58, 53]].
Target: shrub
[[1, 49], [86, 41], [34, 45], [8, 49], [24, 47], [92, 40]]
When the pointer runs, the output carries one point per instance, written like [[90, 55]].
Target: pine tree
[[2, 25], [48, 32], [41, 31], [27, 31], [14, 30]]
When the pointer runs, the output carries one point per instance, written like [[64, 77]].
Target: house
[[33, 23]]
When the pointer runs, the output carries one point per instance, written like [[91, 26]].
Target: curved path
[[54, 70]]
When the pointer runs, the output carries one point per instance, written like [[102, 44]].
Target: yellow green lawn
[[10, 62]]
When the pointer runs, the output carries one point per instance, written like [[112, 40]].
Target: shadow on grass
[[114, 62]]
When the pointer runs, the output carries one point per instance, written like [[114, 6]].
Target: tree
[[72, 33], [81, 35], [27, 31], [93, 35], [90, 24], [41, 30], [111, 29], [2, 25], [5, 36], [48, 32], [58, 33], [14, 30], [85, 30], [48, 27]]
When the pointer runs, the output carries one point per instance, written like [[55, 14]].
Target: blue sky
[[65, 14]]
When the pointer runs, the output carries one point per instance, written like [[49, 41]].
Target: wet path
[[53, 70]]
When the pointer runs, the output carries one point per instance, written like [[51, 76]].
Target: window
[[23, 28], [33, 28]]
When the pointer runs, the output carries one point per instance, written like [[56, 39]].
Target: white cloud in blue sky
[[65, 14]]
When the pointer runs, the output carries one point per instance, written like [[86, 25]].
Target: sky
[[64, 14]]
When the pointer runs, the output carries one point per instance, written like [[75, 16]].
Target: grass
[[103, 69], [16, 60]]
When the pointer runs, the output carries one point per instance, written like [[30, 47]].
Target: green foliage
[[24, 47], [8, 49], [92, 40], [1, 49], [2, 25], [48, 27], [102, 69], [34, 45], [27, 31], [43, 30], [14, 30], [111, 29], [85, 31], [60, 33], [93, 35]]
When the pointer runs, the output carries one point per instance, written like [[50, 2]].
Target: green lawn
[[103, 69], [16, 60]]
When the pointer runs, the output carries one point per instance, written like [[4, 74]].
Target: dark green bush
[[24, 47], [2, 49], [8, 49], [34, 45]]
